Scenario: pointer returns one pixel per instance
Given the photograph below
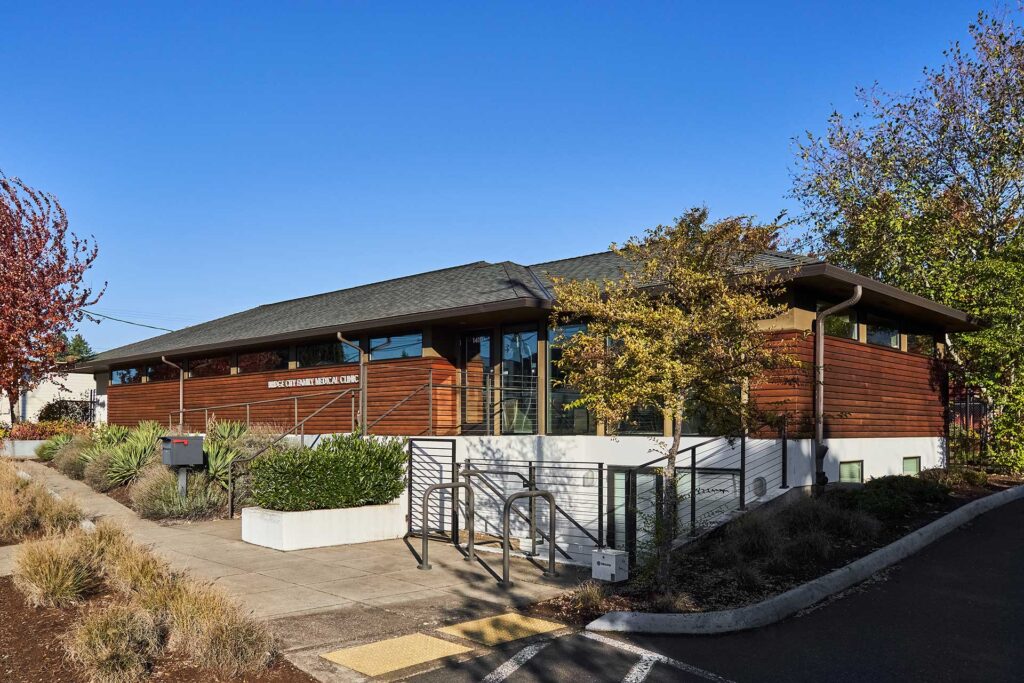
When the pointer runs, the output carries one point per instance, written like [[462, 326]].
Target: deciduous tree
[[925, 191], [680, 328], [42, 290]]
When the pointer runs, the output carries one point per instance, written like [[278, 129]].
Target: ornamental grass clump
[[28, 509], [114, 644], [46, 450], [342, 471], [155, 495], [68, 458], [56, 571]]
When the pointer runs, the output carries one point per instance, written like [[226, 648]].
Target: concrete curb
[[792, 601]]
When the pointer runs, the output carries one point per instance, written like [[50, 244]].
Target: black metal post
[[531, 484], [600, 505], [743, 472], [408, 475], [630, 544], [785, 454], [455, 502], [693, 491]]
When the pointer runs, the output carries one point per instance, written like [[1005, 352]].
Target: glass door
[[475, 361], [519, 381]]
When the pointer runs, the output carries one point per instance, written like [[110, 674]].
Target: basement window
[[126, 376], [851, 472], [912, 466], [400, 346]]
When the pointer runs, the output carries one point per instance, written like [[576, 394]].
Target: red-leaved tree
[[42, 267]]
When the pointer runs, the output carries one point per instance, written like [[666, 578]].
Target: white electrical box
[[609, 565]]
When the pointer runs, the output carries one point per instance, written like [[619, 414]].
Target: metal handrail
[[470, 529], [397, 405], [260, 402], [506, 544]]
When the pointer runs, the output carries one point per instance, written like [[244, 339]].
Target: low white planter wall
[[20, 448], [319, 528]]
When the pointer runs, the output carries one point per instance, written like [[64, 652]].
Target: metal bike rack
[[506, 545], [424, 564]]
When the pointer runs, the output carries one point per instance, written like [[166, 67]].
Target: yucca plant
[[218, 460], [226, 430], [110, 435], [46, 450], [130, 458]]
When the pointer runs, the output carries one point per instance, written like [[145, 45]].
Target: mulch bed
[[31, 651], [703, 586]]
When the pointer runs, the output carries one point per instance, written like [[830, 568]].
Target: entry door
[[476, 384]]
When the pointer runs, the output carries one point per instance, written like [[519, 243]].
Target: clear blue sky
[[230, 154]]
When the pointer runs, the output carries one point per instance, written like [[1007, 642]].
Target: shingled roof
[[450, 292]]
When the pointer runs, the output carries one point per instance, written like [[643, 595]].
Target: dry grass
[[95, 472], [27, 508], [68, 458], [589, 596], [56, 571], [155, 495], [115, 644], [214, 630]]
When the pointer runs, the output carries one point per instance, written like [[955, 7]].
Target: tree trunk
[[670, 505], [12, 400]]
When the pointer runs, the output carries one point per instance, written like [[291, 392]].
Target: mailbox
[[182, 451]]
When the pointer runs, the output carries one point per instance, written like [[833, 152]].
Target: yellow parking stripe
[[386, 656], [501, 629]]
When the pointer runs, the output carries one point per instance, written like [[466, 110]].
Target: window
[[561, 418], [126, 376], [883, 332], [161, 373], [851, 472], [912, 466], [261, 361], [842, 324], [923, 344], [647, 421], [401, 346], [210, 367], [518, 390], [325, 353]]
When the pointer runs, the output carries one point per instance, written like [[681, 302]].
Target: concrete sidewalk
[[324, 597]]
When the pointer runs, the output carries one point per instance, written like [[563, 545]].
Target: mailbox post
[[181, 453]]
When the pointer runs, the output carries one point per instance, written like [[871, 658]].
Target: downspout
[[181, 390], [362, 380], [820, 449]]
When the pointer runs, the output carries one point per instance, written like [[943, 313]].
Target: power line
[[127, 322]]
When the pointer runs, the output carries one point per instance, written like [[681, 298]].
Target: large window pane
[[325, 353], [883, 332], [843, 324], [209, 367], [262, 361], [923, 344], [519, 382], [643, 421], [161, 373], [561, 418], [126, 376], [400, 346]]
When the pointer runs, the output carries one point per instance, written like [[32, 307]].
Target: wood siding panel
[[870, 391]]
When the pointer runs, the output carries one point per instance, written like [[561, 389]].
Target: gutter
[[181, 390], [820, 449]]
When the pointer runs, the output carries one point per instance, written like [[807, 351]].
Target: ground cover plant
[[125, 614], [772, 549], [341, 471]]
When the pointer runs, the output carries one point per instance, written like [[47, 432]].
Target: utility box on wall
[[182, 451], [609, 565]]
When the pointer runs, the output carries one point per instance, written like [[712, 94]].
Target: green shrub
[[897, 497], [219, 455], [343, 471], [115, 644], [46, 450], [155, 495], [975, 477]]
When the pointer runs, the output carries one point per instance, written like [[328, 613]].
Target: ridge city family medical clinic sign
[[312, 381]]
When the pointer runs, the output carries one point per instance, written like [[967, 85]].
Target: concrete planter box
[[20, 448], [319, 528]]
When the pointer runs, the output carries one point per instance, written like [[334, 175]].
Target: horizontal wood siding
[[870, 391]]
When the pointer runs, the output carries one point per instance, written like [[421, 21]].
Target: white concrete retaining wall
[[22, 448], [320, 528]]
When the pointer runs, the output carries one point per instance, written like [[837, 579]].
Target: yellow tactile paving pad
[[385, 656], [501, 629]]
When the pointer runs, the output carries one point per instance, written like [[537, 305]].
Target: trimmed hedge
[[342, 471]]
